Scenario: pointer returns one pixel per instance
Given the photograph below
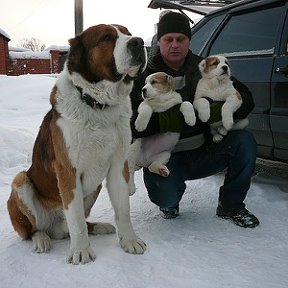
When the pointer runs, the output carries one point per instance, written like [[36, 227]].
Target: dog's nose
[[225, 68]]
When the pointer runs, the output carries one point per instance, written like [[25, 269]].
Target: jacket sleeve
[[248, 102]]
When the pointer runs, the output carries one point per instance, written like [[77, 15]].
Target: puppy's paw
[[202, 105], [217, 138], [134, 246], [188, 112], [81, 256], [190, 119], [204, 114], [41, 242], [227, 121], [222, 131], [163, 171], [140, 125]]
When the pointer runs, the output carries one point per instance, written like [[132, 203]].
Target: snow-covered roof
[[2, 32], [29, 55], [58, 48]]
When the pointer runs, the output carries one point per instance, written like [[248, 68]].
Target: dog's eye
[[106, 38], [153, 82]]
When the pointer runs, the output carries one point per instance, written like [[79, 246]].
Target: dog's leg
[[144, 116], [188, 112], [231, 104], [96, 228], [134, 155], [158, 164], [117, 187], [202, 105], [23, 207], [70, 189]]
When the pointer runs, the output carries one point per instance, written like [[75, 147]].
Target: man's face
[[174, 48]]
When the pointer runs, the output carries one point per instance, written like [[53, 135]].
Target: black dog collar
[[90, 100]]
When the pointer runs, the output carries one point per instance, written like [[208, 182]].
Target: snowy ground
[[196, 250]]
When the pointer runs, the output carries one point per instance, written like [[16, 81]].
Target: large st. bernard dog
[[83, 139]]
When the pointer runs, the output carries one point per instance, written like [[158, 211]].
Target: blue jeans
[[236, 152]]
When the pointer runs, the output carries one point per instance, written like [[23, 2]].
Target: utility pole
[[78, 13]]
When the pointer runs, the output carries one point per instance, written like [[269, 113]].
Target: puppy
[[154, 152], [216, 85], [83, 139]]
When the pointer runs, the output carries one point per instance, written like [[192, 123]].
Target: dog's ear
[[75, 56], [202, 65], [171, 82]]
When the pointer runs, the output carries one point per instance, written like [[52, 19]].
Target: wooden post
[[78, 10]]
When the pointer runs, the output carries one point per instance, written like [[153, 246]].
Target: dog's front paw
[[135, 246], [202, 105], [41, 242], [140, 125], [188, 111], [82, 256], [204, 114], [217, 138], [228, 123]]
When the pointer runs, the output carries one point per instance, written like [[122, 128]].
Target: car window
[[202, 35], [251, 33]]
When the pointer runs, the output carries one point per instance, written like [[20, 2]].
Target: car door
[[249, 37], [279, 98]]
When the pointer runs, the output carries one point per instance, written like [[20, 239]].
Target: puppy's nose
[[225, 69]]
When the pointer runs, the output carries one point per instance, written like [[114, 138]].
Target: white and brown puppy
[[216, 85], [83, 139], [154, 152]]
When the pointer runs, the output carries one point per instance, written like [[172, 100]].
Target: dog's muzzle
[[144, 93], [137, 50]]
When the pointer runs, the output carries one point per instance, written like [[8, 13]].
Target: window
[[204, 33], [251, 33]]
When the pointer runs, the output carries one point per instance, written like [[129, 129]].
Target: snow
[[3, 33], [195, 250], [29, 55]]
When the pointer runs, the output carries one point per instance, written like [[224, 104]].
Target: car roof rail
[[201, 7]]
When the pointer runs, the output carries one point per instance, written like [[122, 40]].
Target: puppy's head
[[215, 66], [157, 84], [106, 52]]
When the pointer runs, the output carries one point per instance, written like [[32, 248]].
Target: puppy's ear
[[76, 54], [202, 65], [171, 82]]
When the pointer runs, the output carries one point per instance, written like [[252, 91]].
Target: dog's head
[[215, 66], [106, 52], [157, 84]]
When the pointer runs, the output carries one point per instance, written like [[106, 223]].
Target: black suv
[[253, 35]]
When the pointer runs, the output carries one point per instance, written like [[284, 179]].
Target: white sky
[[52, 21]]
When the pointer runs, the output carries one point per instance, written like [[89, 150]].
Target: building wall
[[4, 54], [19, 66], [15, 66]]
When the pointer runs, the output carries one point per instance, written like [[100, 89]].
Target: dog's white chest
[[91, 149]]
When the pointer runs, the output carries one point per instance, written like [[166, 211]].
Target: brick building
[[19, 61], [4, 52]]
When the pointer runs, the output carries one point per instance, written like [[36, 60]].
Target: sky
[[52, 21], [195, 250]]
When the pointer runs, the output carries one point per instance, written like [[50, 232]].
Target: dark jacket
[[189, 75]]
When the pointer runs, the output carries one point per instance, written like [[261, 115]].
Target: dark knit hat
[[173, 22]]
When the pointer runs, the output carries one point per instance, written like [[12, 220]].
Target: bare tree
[[34, 44]]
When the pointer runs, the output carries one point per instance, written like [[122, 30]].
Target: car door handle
[[281, 70]]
